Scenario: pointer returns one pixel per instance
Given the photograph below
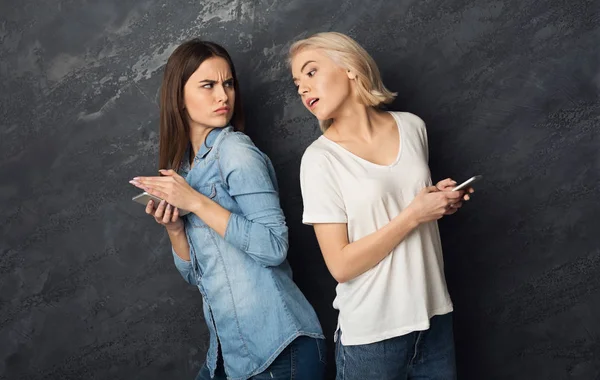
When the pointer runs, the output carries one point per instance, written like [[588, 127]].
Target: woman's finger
[[175, 215], [150, 207], [152, 181], [156, 186], [138, 185], [158, 189], [169, 173], [452, 207], [160, 210], [167, 216], [155, 192], [447, 183]]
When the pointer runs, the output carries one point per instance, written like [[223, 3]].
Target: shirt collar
[[207, 146]]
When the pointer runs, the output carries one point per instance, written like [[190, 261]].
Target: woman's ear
[[351, 75]]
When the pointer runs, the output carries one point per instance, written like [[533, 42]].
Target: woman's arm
[[260, 229], [181, 254], [324, 208], [180, 244], [248, 175], [169, 217], [347, 261]]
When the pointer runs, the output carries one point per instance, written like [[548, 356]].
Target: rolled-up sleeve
[[185, 268], [260, 229]]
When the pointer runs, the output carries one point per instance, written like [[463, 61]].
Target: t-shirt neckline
[[400, 147]]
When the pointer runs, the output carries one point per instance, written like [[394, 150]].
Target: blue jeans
[[303, 359], [423, 355]]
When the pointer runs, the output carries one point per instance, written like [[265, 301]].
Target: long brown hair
[[174, 126]]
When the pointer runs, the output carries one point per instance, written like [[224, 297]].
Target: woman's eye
[[228, 84], [311, 73], [208, 85]]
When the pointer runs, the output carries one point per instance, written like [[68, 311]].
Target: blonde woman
[[367, 191]]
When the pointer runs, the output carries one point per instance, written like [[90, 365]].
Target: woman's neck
[[198, 135], [355, 121]]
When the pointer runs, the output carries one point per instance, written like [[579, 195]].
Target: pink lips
[[309, 102], [222, 110]]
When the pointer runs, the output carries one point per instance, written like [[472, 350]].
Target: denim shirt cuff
[[181, 265], [237, 231]]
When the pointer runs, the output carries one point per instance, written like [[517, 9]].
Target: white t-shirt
[[401, 293]]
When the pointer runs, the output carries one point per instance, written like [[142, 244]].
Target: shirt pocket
[[209, 191]]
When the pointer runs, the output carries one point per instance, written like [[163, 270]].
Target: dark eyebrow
[[210, 81], [303, 66]]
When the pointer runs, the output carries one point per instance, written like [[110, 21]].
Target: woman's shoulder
[[231, 136], [236, 140], [318, 153], [319, 147], [237, 150], [409, 118]]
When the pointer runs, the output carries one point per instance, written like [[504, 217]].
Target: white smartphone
[[468, 182], [144, 198]]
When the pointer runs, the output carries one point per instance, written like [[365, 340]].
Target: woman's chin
[[222, 120], [322, 116], [218, 121], [212, 123]]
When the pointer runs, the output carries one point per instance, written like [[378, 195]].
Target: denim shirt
[[251, 305]]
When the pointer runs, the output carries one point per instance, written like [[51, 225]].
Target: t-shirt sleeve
[[323, 202], [418, 124], [424, 139]]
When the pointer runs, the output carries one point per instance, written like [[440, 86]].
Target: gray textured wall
[[509, 89]]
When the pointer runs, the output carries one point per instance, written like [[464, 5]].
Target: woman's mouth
[[222, 110], [312, 102]]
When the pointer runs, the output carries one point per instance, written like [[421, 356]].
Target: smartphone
[[144, 198], [468, 182]]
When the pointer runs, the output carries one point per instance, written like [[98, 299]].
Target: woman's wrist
[[198, 204], [409, 216], [176, 230]]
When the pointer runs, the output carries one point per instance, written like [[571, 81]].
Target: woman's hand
[[171, 187], [432, 204], [448, 184], [166, 215]]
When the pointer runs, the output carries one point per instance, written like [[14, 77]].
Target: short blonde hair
[[348, 54]]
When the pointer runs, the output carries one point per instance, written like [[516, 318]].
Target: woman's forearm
[[180, 243]]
